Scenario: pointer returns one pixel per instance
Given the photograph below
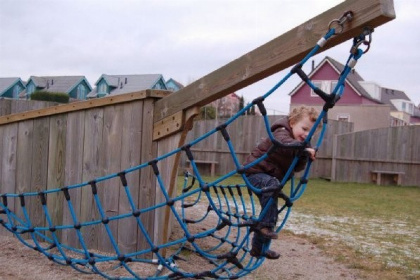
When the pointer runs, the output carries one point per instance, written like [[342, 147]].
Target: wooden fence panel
[[12, 106], [5, 107], [394, 149], [355, 154], [245, 133]]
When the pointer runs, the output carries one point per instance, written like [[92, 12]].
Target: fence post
[[333, 157]]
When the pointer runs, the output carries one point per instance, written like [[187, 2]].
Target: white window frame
[[326, 86], [343, 117]]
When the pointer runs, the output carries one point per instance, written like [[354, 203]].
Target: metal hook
[[347, 16]]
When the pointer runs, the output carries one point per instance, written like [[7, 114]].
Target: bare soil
[[300, 260]]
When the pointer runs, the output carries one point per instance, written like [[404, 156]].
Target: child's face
[[301, 128]]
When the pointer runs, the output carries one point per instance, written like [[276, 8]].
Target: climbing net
[[213, 221]]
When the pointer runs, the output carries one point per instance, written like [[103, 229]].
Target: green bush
[[207, 113], [58, 97]]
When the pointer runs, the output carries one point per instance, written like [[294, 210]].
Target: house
[[11, 87], [118, 84], [226, 106], [76, 87], [364, 103], [173, 85]]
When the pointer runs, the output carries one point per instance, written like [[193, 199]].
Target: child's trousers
[[262, 180]]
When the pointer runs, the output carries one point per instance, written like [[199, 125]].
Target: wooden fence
[[344, 156], [12, 106], [393, 149], [68, 144]]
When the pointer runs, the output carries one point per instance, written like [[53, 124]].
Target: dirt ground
[[300, 261]]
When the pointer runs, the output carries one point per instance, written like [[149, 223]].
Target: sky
[[187, 39]]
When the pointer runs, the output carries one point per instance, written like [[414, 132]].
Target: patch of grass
[[372, 228], [361, 200]]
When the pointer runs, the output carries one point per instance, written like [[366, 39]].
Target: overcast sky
[[187, 39]]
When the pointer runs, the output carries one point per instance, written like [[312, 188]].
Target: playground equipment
[[118, 221]]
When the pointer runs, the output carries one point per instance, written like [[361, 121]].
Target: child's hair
[[298, 113]]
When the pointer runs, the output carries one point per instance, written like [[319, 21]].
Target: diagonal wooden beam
[[276, 55]]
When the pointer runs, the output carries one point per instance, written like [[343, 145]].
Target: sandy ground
[[300, 260]]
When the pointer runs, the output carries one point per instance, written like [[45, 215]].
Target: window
[[30, 90], [343, 117], [325, 86], [16, 91], [102, 88], [81, 92]]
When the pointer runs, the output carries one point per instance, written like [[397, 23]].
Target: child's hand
[[311, 153]]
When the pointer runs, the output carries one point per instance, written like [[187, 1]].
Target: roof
[[7, 83], [127, 83], [57, 83], [178, 84], [353, 78]]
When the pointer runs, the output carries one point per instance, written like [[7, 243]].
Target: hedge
[[59, 97]]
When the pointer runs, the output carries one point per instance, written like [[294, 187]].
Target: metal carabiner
[[361, 39]]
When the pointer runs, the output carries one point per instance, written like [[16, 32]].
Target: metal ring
[[338, 23]]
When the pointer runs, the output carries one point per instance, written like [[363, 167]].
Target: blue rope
[[235, 214]]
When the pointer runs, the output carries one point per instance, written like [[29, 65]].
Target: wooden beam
[[83, 105], [276, 55]]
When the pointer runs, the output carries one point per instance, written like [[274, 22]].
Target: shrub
[[207, 113], [58, 97]]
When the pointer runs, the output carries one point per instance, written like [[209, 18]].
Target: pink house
[[366, 104], [227, 106]]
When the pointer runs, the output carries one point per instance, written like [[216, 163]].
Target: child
[[269, 172]]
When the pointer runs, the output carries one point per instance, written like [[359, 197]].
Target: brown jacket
[[278, 162]]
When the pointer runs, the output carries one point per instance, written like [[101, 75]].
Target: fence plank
[[73, 173], [24, 160], [147, 190], [39, 170], [130, 156], [91, 160], [111, 163], [8, 159], [56, 168]]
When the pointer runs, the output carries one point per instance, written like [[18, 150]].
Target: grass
[[372, 228]]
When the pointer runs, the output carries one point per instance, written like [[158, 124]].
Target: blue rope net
[[213, 221]]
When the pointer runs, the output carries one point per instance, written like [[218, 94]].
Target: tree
[[241, 103], [207, 113]]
